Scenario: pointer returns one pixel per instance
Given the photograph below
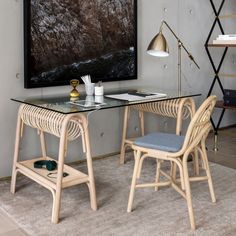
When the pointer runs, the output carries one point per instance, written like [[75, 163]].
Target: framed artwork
[[66, 39]]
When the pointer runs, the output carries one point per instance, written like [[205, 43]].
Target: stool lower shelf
[[41, 175]]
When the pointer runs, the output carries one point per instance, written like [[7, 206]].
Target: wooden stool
[[66, 127]]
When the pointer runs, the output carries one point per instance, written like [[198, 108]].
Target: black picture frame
[[29, 60]]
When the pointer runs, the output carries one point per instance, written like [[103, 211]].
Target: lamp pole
[[179, 67], [180, 46]]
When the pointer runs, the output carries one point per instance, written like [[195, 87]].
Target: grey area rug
[[154, 213]]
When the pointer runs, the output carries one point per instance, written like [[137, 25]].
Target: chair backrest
[[200, 124]]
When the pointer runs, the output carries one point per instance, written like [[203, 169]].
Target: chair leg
[[208, 173], [188, 194], [211, 188], [137, 155], [140, 166], [157, 173]]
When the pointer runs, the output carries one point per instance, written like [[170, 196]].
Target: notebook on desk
[[135, 96]]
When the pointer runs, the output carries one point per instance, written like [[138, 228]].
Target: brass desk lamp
[[158, 47]]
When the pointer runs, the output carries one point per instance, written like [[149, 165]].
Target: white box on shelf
[[224, 41]]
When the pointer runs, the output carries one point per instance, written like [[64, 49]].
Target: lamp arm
[[180, 42]]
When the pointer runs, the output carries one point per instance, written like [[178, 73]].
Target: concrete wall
[[190, 19]]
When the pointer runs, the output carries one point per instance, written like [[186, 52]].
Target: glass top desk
[[64, 105], [64, 119], [168, 106]]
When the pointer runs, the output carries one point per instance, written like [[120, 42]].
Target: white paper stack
[[132, 98], [225, 39]]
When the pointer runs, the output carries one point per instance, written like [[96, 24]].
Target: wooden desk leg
[[16, 152], [91, 184], [61, 157], [124, 134], [141, 117], [43, 144]]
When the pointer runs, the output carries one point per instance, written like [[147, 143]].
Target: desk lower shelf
[[41, 175]]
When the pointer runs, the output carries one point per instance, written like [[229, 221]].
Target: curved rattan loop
[[168, 108], [50, 121]]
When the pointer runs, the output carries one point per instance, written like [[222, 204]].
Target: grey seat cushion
[[161, 141]]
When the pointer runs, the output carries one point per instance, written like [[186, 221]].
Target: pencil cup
[[89, 100], [89, 88], [98, 90]]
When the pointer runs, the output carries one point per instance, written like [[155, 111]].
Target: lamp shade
[[158, 46]]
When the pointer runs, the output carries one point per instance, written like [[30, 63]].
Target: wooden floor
[[225, 156]]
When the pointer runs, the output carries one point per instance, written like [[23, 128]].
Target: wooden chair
[[176, 149], [179, 109], [67, 128]]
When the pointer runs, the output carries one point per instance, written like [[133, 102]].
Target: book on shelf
[[230, 93], [229, 101], [226, 36], [225, 39]]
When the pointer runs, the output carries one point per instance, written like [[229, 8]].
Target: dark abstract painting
[[65, 39]]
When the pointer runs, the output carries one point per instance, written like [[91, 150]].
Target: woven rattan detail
[[167, 108], [50, 121]]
